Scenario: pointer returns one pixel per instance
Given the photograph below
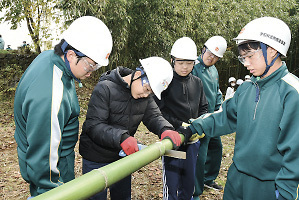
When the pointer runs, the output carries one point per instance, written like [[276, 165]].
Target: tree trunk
[[34, 37]]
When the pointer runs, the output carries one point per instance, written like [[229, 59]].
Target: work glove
[[184, 124], [195, 136], [186, 131], [173, 136], [129, 145]]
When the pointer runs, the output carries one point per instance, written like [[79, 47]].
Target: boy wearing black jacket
[[183, 99], [119, 102]]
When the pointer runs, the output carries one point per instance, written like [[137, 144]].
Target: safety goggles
[[210, 54], [90, 67], [189, 62], [249, 55]]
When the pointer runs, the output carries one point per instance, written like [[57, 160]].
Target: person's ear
[[272, 52], [70, 55], [137, 74]]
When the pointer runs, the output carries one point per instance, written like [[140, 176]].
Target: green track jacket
[[46, 113], [210, 79], [264, 114]]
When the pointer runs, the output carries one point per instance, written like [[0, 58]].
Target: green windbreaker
[[46, 113], [264, 114], [210, 79]]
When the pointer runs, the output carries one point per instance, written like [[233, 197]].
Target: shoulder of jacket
[[292, 81], [214, 68], [107, 83], [244, 87], [195, 78]]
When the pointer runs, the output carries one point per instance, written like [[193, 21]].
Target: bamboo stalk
[[97, 180]]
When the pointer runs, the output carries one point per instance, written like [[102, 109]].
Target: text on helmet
[[272, 37]]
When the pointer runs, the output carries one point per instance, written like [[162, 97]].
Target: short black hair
[[58, 50], [248, 46]]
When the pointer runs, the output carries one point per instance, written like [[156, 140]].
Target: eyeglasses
[[210, 54], [249, 55], [91, 67]]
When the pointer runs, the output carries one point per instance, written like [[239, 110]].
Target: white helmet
[[239, 81], [231, 79], [247, 77], [90, 36], [217, 45], [159, 73], [268, 30], [184, 48]]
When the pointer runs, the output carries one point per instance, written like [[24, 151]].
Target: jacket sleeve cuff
[[192, 129], [124, 137], [195, 126]]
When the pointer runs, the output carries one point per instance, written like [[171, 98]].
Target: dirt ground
[[146, 182]]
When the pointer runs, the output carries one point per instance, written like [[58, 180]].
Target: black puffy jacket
[[183, 99], [112, 112]]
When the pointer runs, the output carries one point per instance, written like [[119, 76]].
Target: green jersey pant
[[240, 186], [65, 166], [213, 161], [208, 162]]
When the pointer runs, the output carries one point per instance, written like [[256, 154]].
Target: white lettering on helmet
[[272, 37]]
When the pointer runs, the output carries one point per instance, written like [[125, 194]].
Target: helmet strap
[[203, 52], [172, 61], [132, 79], [264, 50], [63, 48]]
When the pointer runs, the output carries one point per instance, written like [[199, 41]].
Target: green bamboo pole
[[97, 180]]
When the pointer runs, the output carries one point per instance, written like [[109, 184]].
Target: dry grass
[[146, 182]]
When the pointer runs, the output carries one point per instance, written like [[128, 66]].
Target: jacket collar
[[116, 75], [272, 78], [60, 63], [176, 76]]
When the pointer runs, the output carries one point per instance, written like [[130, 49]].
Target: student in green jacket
[[46, 106], [210, 151], [264, 113]]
